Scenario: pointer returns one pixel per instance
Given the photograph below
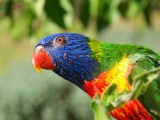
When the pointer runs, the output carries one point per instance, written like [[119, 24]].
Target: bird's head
[[67, 54]]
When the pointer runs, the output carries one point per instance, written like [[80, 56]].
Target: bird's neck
[[113, 66], [93, 71], [117, 75]]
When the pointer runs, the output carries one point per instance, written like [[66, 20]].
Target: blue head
[[68, 55]]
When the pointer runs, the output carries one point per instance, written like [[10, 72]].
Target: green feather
[[144, 59]]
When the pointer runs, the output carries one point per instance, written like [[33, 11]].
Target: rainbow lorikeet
[[94, 66]]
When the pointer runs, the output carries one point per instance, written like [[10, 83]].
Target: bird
[[93, 66]]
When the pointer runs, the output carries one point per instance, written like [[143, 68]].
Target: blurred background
[[27, 95]]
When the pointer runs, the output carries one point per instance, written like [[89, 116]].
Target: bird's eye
[[60, 40]]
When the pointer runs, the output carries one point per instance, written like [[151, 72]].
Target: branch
[[146, 73]]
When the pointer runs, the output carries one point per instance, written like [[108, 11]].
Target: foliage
[[71, 15], [100, 111]]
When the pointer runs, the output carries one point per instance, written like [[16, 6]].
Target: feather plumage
[[94, 65]]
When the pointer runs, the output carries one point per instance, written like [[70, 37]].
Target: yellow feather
[[117, 75]]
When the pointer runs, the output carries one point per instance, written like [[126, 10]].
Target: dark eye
[[60, 40]]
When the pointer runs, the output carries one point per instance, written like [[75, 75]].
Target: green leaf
[[81, 10], [100, 111], [55, 12], [123, 8], [9, 10], [84, 14], [110, 95]]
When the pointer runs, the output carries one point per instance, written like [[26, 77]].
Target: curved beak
[[41, 59]]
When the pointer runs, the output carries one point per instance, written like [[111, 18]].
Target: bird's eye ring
[[60, 40]]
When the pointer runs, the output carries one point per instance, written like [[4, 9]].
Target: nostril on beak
[[39, 48]]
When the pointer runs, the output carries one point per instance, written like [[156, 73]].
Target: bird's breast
[[117, 75]]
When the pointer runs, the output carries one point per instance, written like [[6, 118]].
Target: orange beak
[[41, 59]]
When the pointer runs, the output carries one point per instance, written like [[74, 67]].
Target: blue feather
[[73, 59]]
